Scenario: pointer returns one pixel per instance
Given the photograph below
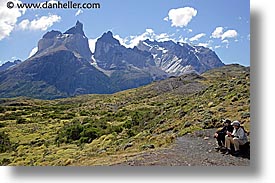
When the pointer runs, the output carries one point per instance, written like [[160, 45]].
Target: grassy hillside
[[103, 129]]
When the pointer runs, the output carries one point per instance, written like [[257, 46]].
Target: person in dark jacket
[[220, 134]]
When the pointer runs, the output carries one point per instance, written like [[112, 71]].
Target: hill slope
[[90, 129]]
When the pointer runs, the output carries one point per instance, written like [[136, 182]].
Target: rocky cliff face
[[73, 40], [60, 68], [179, 58], [9, 64], [110, 54], [127, 68]]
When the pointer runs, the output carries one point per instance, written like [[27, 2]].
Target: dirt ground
[[195, 149]]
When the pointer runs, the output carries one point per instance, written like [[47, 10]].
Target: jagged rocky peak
[[52, 34], [108, 37], [9, 64], [77, 29], [73, 40]]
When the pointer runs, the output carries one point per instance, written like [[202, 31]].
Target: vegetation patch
[[103, 129]]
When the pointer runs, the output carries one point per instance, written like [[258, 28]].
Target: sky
[[223, 26]]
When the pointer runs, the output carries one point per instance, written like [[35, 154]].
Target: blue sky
[[223, 26]]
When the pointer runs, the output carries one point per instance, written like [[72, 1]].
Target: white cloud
[[218, 33], [122, 41], [248, 37], [182, 40], [189, 30], [92, 44], [229, 34], [150, 31], [24, 24], [197, 37], [181, 17], [42, 23], [225, 41], [33, 51], [218, 46], [78, 12], [8, 18], [132, 41], [203, 44], [163, 37], [166, 19]]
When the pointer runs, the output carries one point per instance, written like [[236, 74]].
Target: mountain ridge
[[112, 67]]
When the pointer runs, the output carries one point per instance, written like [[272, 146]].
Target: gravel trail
[[195, 149]]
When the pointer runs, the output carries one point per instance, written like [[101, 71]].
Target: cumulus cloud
[[219, 33], [197, 37], [8, 18], [42, 23], [33, 51], [229, 34], [181, 17], [78, 12]]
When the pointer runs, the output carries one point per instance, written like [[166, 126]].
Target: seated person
[[237, 137], [220, 134]]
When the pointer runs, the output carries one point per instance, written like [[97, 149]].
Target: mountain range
[[64, 66]]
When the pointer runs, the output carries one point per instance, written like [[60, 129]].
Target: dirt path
[[190, 150]]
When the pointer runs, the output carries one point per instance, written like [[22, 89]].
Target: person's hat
[[236, 123], [226, 121]]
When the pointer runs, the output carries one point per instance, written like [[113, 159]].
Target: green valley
[[106, 129]]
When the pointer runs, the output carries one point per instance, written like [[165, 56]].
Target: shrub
[[75, 131], [90, 134], [128, 124], [21, 121], [2, 125], [84, 113], [70, 133], [2, 109], [4, 142], [69, 115]]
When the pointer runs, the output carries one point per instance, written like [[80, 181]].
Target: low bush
[[5, 143], [21, 121]]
